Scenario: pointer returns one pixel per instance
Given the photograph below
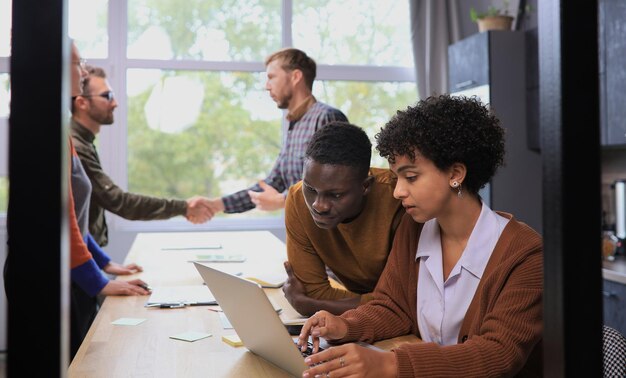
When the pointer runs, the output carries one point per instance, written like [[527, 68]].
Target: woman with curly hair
[[465, 279]]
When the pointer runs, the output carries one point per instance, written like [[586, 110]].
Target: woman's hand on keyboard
[[322, 324], [351, 360]]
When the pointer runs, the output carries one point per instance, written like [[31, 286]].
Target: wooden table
[[146, 350]]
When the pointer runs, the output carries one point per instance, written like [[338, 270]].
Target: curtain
[[434, 25]]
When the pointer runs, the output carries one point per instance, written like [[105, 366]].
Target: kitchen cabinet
[[612, 70], [468, 62], [492, 66], [614, 294]]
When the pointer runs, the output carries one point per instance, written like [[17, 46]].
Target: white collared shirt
[[441, 306]]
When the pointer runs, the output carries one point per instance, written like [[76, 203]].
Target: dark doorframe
[[570, 129], [37, 270], [37, 281]]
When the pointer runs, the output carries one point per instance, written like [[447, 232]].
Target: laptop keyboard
[[309, 349]]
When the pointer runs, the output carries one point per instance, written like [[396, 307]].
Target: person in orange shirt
[[87, 259]]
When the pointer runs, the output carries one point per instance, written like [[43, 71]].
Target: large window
[[206, 30], [193, 115], [368, 104], [88, 26], [5, 99], [5, 95], [5, 28], [354, 32], [198, 131]]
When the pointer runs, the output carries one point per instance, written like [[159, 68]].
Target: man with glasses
[[92, 109]]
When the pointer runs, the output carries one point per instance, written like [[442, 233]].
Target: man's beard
[[103, 118], [284, 103]]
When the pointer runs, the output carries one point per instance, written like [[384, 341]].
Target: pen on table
[[215, 310], [166, 305], [172, 305]]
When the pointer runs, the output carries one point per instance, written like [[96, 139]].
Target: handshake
[[202, 209]]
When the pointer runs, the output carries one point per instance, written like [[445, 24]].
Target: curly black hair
[[447, 130], [341, 143]]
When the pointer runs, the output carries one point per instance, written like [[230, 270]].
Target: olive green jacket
[[106, 195]]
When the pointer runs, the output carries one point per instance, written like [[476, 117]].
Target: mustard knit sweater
[[356, 252]]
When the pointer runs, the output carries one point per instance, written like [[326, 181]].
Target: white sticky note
[[225, 322], [128, 321], [191, 336]]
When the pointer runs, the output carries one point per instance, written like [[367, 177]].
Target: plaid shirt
[[288, 167]]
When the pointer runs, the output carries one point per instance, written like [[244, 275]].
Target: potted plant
[[493, 18]]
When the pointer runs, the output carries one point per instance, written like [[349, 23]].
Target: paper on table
[[225, 322], [295, 321], [220, 258], [194, 295], [191, 336], [269, 280], [193, 247], [128, 321]]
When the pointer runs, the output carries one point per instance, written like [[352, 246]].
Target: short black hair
[[341, 143], [447, 130]]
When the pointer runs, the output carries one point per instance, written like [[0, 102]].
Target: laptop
[[254, 318]]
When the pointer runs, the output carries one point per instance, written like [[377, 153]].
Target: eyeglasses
[[82, 63], [109, 95]]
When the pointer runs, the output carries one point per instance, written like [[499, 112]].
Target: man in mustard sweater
[[340, 220]]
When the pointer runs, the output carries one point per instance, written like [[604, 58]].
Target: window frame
[[4, 138], [112, 145]]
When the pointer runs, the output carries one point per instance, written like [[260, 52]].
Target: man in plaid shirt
[[290, 76]]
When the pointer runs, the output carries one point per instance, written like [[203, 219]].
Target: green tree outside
[[4, 194], [228, 142], [185, 163], [4, 181]]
